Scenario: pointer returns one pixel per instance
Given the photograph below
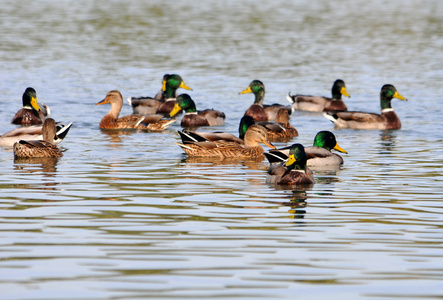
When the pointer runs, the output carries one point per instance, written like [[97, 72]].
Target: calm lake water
[[128, 216]]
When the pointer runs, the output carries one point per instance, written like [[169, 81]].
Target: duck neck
[[259, 97], [385, 103], [170, 92], [115, 110], [336, 93]]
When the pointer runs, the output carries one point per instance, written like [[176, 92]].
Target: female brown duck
[[42, 148], [112, 121], [230, 150]]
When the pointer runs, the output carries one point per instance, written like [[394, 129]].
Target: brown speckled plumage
[[112, 121], [43, 148], [230, 150]]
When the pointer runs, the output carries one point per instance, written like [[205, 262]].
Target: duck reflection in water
[[46, 165], [387, 141]]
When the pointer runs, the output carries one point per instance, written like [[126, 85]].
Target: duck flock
[[39, 134]]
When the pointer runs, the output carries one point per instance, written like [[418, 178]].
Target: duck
[[31, 113], [281, 129], [112, 121], [188, 136], [163, 102], [387, 120], [318, 155], [320, 103], [33, 132], [293, 171], [231, 150], [194, 118], [258, 110], [39, 148]]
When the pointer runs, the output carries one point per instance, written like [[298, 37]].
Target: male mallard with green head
[[194, 118], [188, 136], [31, 113], [388, 119], [163, 102], [258, 110], [292, 172], [320, 103], [318, 155]]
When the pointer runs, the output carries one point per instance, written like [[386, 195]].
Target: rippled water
[[128, 216]]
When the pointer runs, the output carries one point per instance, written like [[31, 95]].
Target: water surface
[[127, 216]]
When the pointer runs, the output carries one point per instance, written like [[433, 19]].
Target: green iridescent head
[[29, 99], [245, 122], [297, 157], [258, 89], [388, 91], [326, 139], [339, 89], [185, 102]]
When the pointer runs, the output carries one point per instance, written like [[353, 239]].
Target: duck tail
[[129, 99], [62, 131], [331, 116], [290, 98]]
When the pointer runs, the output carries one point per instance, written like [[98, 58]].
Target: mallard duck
[[112, 121], [188, 136], [362, 120], [33, 132], [318, 155], [194, 118], [281, 129], [292, 172], [319, 103], [258, 110], [163, 102], [31, 113], [230, 150], [41, 148]]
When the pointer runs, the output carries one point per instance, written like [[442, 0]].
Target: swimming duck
[[281, 129], [112, 121], [230, 150], [194, 118], [188, 136], [258, 110], [31, 113], [41, 148], [319, 103], [292, 172], [33, 132], [318, 155], [361, 120], [163, 102]]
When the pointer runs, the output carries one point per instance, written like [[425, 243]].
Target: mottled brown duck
[[230, 150], [41, 148], [112, 121]]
